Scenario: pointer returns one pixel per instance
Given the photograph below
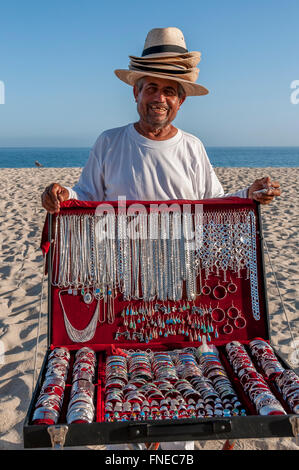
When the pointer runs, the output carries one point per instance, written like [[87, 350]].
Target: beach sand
[[21, 271]]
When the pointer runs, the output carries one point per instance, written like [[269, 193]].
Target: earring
[[206, 290], [232, 287], [233, 312], [227, 329], [240, 322], [218, 315], [219, 292]]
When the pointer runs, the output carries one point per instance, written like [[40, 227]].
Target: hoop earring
[[219, 292], [218, 315], [233, 312], [240, 322], [206, 290], [232, 287], [227, 329]]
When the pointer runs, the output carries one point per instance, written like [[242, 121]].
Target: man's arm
[[90, 186], [262, 190]]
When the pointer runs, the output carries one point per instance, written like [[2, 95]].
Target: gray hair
[[181, 92]]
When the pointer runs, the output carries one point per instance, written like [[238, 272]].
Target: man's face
[[157, 101]]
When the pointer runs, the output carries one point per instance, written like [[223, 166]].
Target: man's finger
[[53, 193], [266, 200], [60, 196], [50, 204], [266, 180]]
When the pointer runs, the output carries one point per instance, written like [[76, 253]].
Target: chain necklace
[[87, 333], [103, 255]]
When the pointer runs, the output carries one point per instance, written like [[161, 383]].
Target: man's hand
[[264, 190], [52, 196]]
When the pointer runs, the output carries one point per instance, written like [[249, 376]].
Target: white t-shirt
[[124, 163]]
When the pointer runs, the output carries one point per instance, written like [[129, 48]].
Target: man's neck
[[162, 133]]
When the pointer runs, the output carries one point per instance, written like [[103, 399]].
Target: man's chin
[[158, 124]]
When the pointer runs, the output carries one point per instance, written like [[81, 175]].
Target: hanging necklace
[[80, 336]]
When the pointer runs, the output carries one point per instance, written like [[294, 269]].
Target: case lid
[[230, 307]]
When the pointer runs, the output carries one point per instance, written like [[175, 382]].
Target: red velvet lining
[[80, 313]]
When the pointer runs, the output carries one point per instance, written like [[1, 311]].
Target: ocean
[[58, 157]]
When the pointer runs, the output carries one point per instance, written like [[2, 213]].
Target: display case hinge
[[294, 420], [58, 434]]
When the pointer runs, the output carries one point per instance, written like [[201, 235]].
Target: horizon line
[[89, 147]]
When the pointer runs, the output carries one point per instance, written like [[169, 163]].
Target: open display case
[[158, 327]]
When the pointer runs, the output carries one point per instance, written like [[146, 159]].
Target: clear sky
[[57, 60]]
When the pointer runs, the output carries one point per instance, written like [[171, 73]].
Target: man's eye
[[151, 89], [170, 92]]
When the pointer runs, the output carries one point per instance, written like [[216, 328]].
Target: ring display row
[[48, 406], [253, 383], [287, 382], [163, 385], [81, 405]]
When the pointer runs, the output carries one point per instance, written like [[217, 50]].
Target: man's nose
[[160, 96]]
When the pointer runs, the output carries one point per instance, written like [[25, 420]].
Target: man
[[152, 159]]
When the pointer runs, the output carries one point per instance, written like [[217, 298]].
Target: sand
[[21, 274]]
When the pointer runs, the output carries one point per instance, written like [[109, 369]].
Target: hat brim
[[131, 76]]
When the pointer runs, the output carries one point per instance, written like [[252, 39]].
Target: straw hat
[[165, 55]]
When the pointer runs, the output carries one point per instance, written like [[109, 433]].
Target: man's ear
[[182, 99], [135, 92]]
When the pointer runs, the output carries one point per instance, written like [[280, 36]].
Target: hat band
[[156, 70], [165, 48]]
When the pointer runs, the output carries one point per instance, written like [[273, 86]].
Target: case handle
[[191, 430]]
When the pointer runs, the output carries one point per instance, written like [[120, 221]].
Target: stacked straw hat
[[165, 55]]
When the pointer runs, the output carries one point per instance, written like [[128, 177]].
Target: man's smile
[[157, 108]]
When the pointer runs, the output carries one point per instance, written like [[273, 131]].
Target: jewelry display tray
[[101, 432]]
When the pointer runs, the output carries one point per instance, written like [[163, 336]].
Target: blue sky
[[57, 60]]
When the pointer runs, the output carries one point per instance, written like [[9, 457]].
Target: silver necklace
[[87, 333]]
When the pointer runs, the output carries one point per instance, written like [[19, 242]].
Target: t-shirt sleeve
[[90, 186]]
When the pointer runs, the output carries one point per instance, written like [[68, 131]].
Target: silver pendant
[[88, 298]]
